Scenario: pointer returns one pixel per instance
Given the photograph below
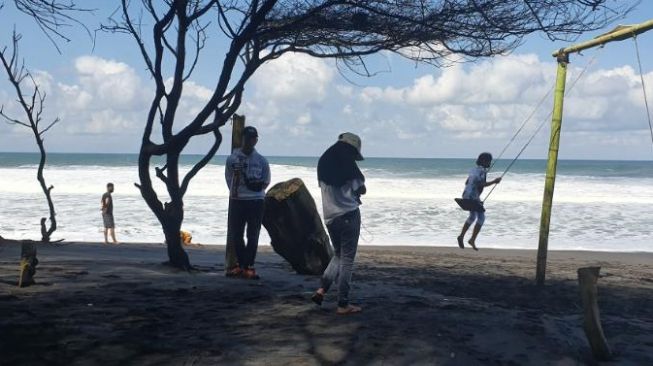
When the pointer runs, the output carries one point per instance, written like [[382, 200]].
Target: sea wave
[[589, 213]]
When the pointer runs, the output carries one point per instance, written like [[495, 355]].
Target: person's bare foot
[[460, 242], [349, 309], [473, 245]]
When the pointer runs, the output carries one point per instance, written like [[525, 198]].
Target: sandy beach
[[118, 305]]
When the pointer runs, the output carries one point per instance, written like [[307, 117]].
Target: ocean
[[598, 205]]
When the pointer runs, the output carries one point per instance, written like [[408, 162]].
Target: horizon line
[[315, 157]]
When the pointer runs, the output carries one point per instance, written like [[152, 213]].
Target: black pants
[[241, 213], [344, 232]]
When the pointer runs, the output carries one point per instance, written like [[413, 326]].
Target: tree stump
[[295, 227], [587, 279], [28, 263]]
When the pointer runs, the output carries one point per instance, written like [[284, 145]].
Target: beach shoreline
[[103, 304]]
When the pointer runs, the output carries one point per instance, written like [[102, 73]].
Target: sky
[[101, 92]]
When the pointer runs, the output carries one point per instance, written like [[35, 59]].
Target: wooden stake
[[230, 259], [237, 131], [551, 166], [587, 279], [28, 264]]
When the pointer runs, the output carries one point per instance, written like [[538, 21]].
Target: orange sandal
[[234, 272], [250, 274]]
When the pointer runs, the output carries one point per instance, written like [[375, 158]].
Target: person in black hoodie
[[342, 183]]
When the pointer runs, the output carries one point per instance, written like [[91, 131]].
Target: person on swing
[[473, 188]]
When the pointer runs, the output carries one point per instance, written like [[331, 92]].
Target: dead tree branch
[[32, 107]]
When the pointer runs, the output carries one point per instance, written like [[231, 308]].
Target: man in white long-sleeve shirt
[[247, 174]]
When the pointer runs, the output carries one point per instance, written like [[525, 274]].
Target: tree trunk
[[295, 227], [587, 279], [46, 233], [170, 215], [28, 263], [176, 255]]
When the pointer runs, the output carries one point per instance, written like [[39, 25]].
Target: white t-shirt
[[337, 201], [254, 166], [475, 183]]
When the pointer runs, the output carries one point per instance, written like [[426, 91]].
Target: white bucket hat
[[353, 140]]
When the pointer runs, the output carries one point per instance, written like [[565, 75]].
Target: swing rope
[[641, 76], [530, 116], [539, 127]]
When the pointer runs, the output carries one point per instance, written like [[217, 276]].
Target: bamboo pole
[[551, 166], [618, 34], [238, 122]]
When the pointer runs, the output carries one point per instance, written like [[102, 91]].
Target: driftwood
[[587, 279], [296, 230], [28, 263]]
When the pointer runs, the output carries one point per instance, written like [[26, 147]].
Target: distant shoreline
[[634, 256], [316, 157]]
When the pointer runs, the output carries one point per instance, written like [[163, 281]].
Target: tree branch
[[202, 163]]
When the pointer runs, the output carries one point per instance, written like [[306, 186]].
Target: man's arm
[[495, 181]]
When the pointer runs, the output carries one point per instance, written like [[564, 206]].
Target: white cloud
[[110, 83], [286, 93], [293, 78], [300, 105], [493, 97]]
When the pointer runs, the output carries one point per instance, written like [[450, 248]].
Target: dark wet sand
[[97, 304]]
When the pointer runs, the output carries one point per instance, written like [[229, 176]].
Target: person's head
[[250, 138], [109, 187], [353, 141], [484, 160]]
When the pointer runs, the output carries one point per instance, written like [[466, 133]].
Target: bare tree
[[258, 31], [32, 104]]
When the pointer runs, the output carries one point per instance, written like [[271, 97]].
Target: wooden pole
[[238, 123], [237, 131], [587, 279], [551, 166]]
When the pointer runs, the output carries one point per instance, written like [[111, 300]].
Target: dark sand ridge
[[97, 304]]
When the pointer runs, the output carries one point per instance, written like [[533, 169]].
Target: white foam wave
[[589, 213]]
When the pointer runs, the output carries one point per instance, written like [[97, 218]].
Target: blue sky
[[300, 104]]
